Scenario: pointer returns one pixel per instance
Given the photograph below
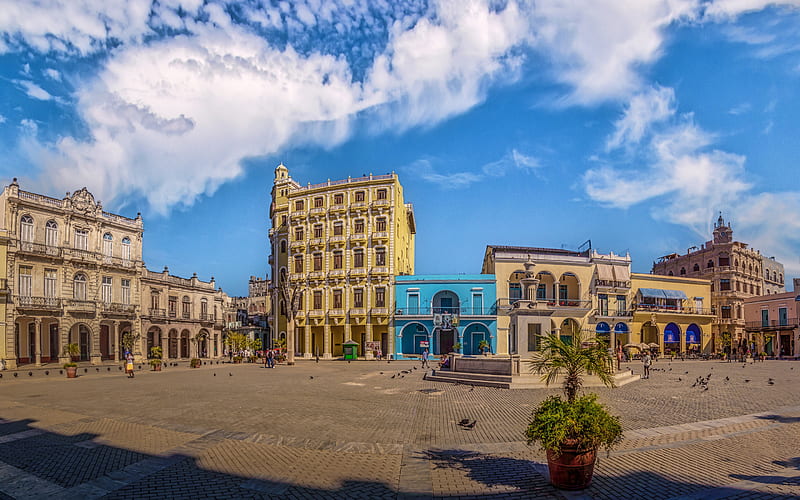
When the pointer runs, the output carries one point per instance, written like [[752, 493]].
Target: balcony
[[317, 211], [379, 271], [38, 303], [358, 272], [457, 311], [173, 314], [83, 255], [207, 317], [316, 313], [337, 241], [358, 237], [316, 275], [773, 324], [157, 313], [39, 249], [338, 208], [298, 244], [598, 283], [80, 306], [358, 312], [610, 313], [317, 242], [112, 308], [358, 206], [300, 214], [337, 274], [545, 304], [674, 309], [3, 286], [108, 260], [380, 236], [336, 313], [380, 204], [379, 311]]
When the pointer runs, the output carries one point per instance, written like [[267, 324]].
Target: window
[[26, 229], [724, 261], [338, 228], [710, 263], [724, 284], [380, 225], [298, 205], [726, 312], [172, 307], [318, 231], [562, 292], [514, 291], [358, 227], [739, 286], [380, 297], [766, 274], [359, 196], [358, 258], [338, 199], [105, 291], [25, 281], [358, 297], [602, 304], [204, 308], [317, 299], [126, 249], [108, 242], [683, 271], [126, 291], [783, 319], [380, 256], [541, 289], [186, 309], [413, 303], [51, 234], [298, 264], [764, 317], [283, 246], [621, 305], [318, 202], [670, 274], [381, 194], [337, 260], [337, 299], [81, 239], [477, 303], [534, 331], [696, 268], [50, 282], [751, 289], [298, 234], [154, 300], [283, 220], [79, 287], [318, 262], [758, 290]]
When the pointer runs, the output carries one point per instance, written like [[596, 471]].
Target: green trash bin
[[350, 349]]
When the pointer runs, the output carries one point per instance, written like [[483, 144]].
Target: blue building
[[439, 311]]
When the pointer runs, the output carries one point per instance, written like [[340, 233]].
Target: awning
[[622, 273], [620, 328], [604, 272], [657, 293], [602, 327]]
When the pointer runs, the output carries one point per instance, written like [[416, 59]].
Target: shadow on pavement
[[780, 418]]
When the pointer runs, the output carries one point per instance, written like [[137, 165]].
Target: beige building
[[73, 276], [736, 271], [339, 244], [182, 315], [73, 273], [773, 323]]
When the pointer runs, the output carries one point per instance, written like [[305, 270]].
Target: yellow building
[[539, 291], [339, 244], [673, 312], [5, 353]]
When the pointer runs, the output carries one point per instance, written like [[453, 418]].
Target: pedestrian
[[270, 359], [646, 361], [425, 358], [379, 354], [129, 364], [230, 356]]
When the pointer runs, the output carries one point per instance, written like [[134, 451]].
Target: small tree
[[237, 341], [129, 340], [484, 346], [156, 352], [573, 361], [255, 345], [72, 351]]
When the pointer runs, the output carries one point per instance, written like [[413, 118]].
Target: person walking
[[129, 364], [646, 361], [425, 358], [270, 359]]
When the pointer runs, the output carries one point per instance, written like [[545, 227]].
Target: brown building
[[773, 323], [737, 273]]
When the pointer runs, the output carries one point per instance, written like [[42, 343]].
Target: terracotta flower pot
[[572, 469], [157, 367]]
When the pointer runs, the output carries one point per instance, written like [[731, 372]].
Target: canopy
[[602, 327], [672, 333], [652, 344], [657, 293], [604, 272], [620, 328], [622, 273], [693, 334]]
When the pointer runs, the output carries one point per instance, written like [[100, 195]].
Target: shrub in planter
[[195, 363], [72, 369], [155, 354], [237, 359]]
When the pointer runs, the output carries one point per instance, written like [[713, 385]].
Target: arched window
[[108, 244], [79, 287], [126, 248], [204, 308], [671, 273], [26, 229], [683, 271], [283, 246], [780, 277], [186, 307], [696, 268], [51, 234], [774, 276], [710, 263]]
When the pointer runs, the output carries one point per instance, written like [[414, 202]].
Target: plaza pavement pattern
[[373, 430]]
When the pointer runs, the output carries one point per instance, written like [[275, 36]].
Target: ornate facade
[[736, 271], [73, 274], [339, 245]]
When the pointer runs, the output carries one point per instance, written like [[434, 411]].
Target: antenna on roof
[[587, 244]]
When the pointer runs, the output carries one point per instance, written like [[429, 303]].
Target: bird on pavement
[[470, 425], [311, 377], [747, 380], [215, 374], [230, 374], [463, 421], [393, 376]]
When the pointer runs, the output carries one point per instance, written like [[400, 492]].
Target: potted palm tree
[[484, 346], [72, 351], [571, 430], [156, 352]]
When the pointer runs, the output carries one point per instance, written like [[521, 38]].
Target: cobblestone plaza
[[368, 430]]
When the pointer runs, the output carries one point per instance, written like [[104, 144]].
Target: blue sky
[[548, 123]]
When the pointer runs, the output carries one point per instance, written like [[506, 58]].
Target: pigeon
[[470, 425], [215, 374], [727, 378], [680, 379], [416, 368], [393, 376], [747, 380], [471, 387], [381, 373], [311, 377], [708, 376], [230, 374], [464, 421], [705, 387], [686, 373]]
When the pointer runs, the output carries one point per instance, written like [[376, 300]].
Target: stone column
[[94, 343], [555, 293], [368, 355], [114, 335], [63, 333], [164, 345], [309, 348], [37, 339], [326, 342]]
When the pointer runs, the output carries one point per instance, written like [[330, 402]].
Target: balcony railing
[[358, 205], [773, 324], [379, 270], [337, 240], [78, 305], [379, 311], [358, 312], [336, 313], [611, 284], [316, 313], [612, 313], [380, 203], [544, 304], [84, 255], [459, 311], [665, 308], [28, 302], [317, 211], [39, 249], [206, 317], [336, 273], [380, 235], [157, 313], [115, 308]]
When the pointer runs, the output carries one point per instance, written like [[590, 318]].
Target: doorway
[[446, 341]]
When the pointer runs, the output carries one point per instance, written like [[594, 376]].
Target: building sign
[[445, 321], [424, 343], [372, 346]]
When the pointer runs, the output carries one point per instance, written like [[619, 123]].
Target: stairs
[[518, 381]]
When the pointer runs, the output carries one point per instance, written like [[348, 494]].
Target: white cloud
[[740, 109], [53, 74], [513, 160], [769, 223], [510, 162], [726, 9], [33, 90], [2, 119], [424, 170], [644, 109]]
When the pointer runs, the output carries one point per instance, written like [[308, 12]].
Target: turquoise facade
[[444, 310]]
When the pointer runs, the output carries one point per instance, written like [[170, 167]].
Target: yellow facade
[[339, 244], [653, 316], [4, 296]]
